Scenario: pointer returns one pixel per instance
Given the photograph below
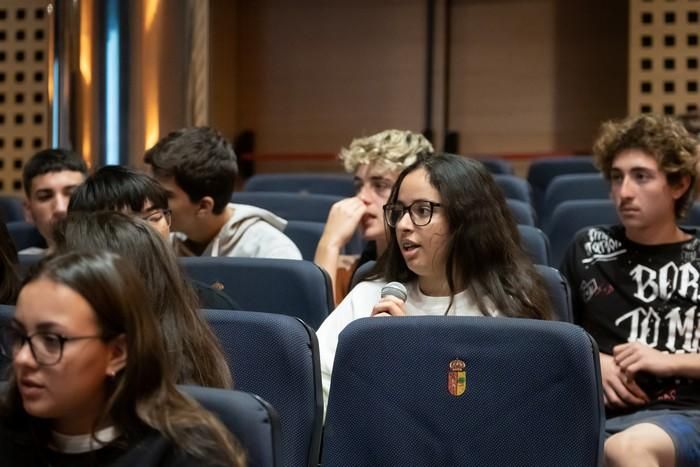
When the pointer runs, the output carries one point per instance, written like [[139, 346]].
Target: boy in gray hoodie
[[198, 168]]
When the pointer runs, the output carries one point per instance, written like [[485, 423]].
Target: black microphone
[[395, 289]]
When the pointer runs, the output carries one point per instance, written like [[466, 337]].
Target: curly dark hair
[[664, 138]]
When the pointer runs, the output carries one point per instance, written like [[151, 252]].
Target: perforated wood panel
[[23, 87], [664, 74]]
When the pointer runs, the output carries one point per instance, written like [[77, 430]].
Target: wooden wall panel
[[663, 56], [527, 75]]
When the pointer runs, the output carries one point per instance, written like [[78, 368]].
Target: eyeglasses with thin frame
[[46, 347], [154, 216], [420, 212]]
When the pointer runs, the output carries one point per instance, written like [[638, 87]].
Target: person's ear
[[679, 189], [118, 355], [205, 206]]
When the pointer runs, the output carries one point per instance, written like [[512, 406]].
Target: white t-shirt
[[78, 444], [33, 250], [359, 303]]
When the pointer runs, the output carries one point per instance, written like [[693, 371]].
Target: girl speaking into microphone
[[453, 244]]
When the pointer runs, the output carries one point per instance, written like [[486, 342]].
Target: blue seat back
[[25, 235], [251, 419], [305, 235], [336, 184], [27, 262], [514, 187], [572, 187], [290, 206], [523, 213], [361, 272], [535, 243], [542, 171], [11, 208], [496, 166], [6, 313], [289, 287], [559, 293], [571, 216], [532, 393], [276, 357]]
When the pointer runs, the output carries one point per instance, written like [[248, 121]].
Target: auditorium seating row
[[304, 200], [489, 392], [546, 247], [306, 235], [300, 288], [319, 191], [532, 191]]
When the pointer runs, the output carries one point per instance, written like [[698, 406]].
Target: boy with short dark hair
[[198, 168], [49, 179], [119, 188]]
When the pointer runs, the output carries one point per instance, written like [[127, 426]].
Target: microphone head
[[395, 289]]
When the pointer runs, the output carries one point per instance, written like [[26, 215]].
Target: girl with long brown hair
[[91, 383]]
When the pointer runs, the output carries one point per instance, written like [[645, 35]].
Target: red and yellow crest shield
[[457, 378]]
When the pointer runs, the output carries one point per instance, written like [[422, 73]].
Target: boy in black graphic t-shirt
[[637, 292]]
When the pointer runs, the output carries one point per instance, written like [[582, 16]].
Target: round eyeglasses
[[46, 347], [420, 212]]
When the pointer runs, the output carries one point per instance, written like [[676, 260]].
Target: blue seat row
[[336, 184], [515, 374]]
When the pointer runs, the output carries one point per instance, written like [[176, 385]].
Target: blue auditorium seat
[[289, 206], [535, 243], [514, 187], [252, 420], [285, 286], [484, 392], [25, 235], [11, 208], [305, 235], [496, 166], [571, 216], [572, 187], [523, 213], [6, 313], [559, 292], [336, 184], [276, 357], [542, 171]]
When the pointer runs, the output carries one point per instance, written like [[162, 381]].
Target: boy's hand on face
[[343, 220], [619, 390]]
